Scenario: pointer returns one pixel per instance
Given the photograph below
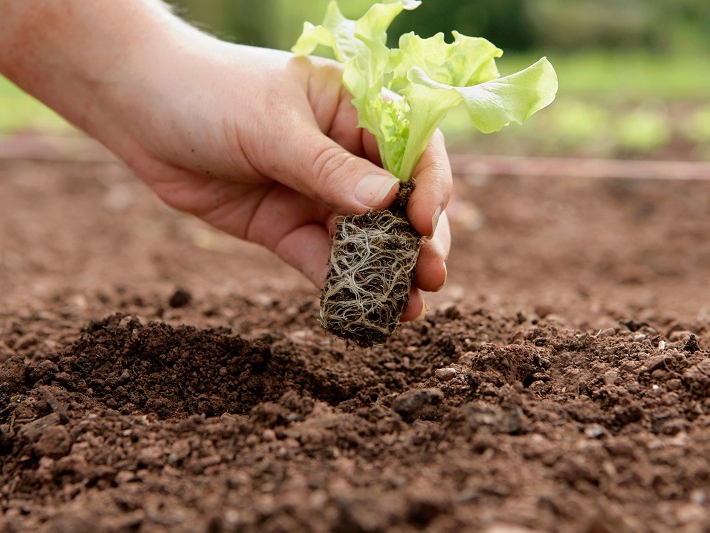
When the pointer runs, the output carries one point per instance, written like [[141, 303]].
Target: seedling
[[401, 95]]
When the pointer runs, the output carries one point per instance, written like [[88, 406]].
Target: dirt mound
[[501, 421]]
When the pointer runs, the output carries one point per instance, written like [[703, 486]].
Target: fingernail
[[435, 221], [372, 190], [422, 315], [446, 275]]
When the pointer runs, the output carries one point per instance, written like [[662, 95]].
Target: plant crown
[[402, 94]]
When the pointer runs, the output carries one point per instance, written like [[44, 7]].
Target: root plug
[[370, 273]]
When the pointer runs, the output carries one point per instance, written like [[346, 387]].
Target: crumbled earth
[[158, 376]]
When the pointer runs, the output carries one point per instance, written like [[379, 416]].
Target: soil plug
[[370, 273], [401, 95]]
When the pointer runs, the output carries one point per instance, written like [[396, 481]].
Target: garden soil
[[158, 376]]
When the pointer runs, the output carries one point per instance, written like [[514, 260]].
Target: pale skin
[[256, 142]]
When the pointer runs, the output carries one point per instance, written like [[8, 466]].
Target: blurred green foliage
[[662, 26], [269, 23], [633, 74], [609, 105], [18, 111]]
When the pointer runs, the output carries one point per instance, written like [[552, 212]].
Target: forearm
[[72, 53]]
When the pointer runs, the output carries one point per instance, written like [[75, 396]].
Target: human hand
[[256, 142], [265, 146]]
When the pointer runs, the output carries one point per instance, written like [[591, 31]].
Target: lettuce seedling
[[401, 95]]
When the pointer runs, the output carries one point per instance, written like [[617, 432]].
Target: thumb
[[323, 170]]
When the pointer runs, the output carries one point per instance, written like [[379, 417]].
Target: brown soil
[[159, 376]]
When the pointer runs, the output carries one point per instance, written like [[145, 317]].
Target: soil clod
[[6, 443], [691, 345], [179, 298], [415, 403]]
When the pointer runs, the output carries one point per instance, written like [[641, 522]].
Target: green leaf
[[466, 61], [402, 94], [336, 33], [348, 38], [496, 103], [372, 27], [427, 108]]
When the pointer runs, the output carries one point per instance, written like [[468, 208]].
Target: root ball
[[370, 275]]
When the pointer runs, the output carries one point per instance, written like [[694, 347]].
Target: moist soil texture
[[156, 375]]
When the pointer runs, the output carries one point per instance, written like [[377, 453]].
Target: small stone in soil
[[412, 403], [594, 431], [498, 419], [445, 374]]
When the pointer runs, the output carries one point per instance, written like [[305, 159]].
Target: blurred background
[[634, 75]]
